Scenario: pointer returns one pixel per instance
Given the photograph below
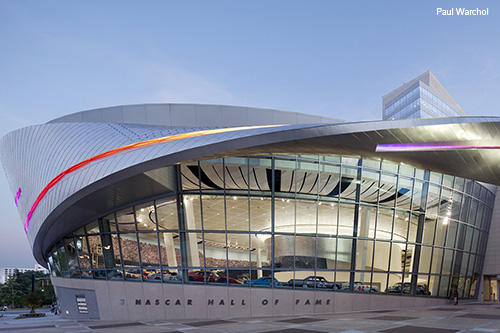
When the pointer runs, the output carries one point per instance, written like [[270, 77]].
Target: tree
[[12, 294], [32, 301], [47, 295], [14, 291]]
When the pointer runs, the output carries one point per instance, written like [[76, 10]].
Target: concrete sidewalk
[[471, 317]]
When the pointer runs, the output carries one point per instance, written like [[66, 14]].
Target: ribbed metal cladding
[[33, 156]]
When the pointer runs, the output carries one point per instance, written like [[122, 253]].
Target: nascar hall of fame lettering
[[462, 12], [219, 302]]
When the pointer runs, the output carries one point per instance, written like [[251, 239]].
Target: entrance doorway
[[491, 288]]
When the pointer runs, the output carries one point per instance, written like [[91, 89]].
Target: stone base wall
[[121, 300]]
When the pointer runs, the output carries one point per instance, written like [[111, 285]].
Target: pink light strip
[[429, 146], [132, 146], [18, 194]]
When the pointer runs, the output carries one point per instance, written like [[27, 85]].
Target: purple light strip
[[18, 194], [430, 146]]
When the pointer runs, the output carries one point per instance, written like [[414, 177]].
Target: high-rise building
[[422, 97], [8, 272]]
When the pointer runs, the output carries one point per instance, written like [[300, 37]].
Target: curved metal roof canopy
[[461, 146]]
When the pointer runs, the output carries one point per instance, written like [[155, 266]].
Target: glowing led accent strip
[[132, 146], [430, 146], [18, 194]]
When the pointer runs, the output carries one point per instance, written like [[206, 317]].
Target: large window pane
[[366, 222], [379, 280], [429, 228], [166, 212], [330, 182], [145, 217], [327, 218], [126, 220], [237, 213], [347, 186], [260, 249], [369, 186], [305, 252], [192, 212], [425, 259], [83, 255], [260, 214], [96, 251], [190, 176], [452, 234], [364, 255], [284, 252], [441, 228], [215, 249], [169, 249], [238, 250], [306, 218], [400, 259], [346, 219], [284, 215], [148, 246], [417, 195], [130, 253], [344, 250], [447, 262], [387, 190], [404, 193], [384, 223], [401, 225], [382, 255]]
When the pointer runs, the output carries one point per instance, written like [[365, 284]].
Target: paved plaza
[[471, 317]]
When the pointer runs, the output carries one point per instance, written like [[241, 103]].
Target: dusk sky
[[331, 58]]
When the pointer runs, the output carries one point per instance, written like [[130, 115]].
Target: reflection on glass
[[379, 280], [130, 253], [364, 255], [166, 213], [148, 247], [145, 217], [265, 221], [83, 256]]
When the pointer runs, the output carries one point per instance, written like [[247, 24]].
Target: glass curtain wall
[[330, 223]]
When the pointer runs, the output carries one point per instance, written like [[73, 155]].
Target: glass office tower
[[422, 97]]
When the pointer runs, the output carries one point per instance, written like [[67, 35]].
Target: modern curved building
[[190, 211]]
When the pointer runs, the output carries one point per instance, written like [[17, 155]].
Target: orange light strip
[[132, 146]]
